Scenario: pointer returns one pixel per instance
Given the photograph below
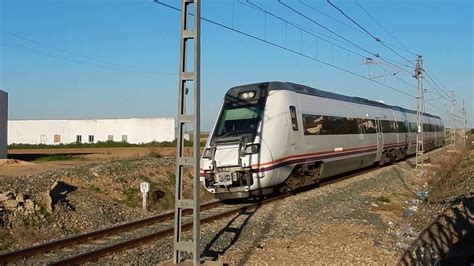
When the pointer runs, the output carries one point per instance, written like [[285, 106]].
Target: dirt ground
[[78, 157], [379, 215], [373, 218], [57, 203]]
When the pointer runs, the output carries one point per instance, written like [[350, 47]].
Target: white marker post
[[144, 188]]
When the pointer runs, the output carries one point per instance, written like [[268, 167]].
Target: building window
[[91, 138], [110, 138], [124, 138], [57, 138], [78, 138]]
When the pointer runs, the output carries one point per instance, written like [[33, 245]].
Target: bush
[[100, 144]]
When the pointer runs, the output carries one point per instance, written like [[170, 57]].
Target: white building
[[133, 130], [3, 123]]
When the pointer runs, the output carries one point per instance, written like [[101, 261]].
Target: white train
[[276, 135]]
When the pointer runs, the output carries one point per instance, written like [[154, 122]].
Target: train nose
[[227, 156], [258, 160]]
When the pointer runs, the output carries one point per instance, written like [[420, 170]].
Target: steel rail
[[70, 241], [102, 252], [128, 244]]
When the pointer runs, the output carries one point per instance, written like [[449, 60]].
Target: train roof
[[298, 88]]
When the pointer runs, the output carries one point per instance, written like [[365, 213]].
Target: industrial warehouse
[[53, 132], [3, 123]]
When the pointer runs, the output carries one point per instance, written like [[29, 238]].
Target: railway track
[[46, 251], [97, 244]]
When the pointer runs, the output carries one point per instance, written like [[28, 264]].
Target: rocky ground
[[371, 218], [58, 203]]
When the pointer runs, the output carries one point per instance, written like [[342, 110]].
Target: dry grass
[[454, 169], [154, 151]]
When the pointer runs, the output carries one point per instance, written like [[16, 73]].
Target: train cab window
[[235, 121], [294, 120]]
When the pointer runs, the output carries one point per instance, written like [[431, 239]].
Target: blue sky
[[119, 58]]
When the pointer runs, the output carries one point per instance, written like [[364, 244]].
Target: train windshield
[[240, 120]]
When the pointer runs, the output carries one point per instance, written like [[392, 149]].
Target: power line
[[438, 92], [253, 5], [378, 39], [335, 33], [396, 77], [375, 38], [383, 28], [331, 17], [353, 21], [305, 29], [97, 63], [341, 22], [284, 48], [391, 35], [260, 8], [436, 84]]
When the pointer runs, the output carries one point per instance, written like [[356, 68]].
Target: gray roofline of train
[[302, 89]]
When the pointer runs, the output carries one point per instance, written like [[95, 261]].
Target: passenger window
[[294, 120]]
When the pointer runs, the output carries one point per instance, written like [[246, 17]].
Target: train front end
[[230, 162]]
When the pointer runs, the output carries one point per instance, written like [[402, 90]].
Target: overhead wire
[[449, 99], [377, 39], [335, 33], [89, 62], [342, 22], [404, 47], [283, 47], [331, 17], [253, 5], [437, 91], [385, 44], [383, 28], [305, 29]]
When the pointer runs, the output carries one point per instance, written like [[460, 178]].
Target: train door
[[295, 139], [378, 126]]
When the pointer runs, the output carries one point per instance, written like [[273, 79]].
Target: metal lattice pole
[[190, 39], [420, 110], [464, 117], [453, 117]]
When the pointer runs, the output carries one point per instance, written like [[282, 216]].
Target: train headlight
[[252, 149], [207, 154], [247, 95]]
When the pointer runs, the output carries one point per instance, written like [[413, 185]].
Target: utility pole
[[189, 79], [464, 117], [420, 110], [453, 117]]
